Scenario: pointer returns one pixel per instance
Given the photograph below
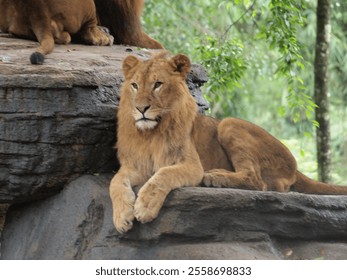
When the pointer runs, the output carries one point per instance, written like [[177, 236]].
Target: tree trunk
[[321, 90]]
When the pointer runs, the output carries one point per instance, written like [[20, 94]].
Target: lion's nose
[[142, 109]]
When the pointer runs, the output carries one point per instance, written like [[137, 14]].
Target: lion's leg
[[152, 195], [60, 36], [94, 35], [148, 42], [123, 199], [145, 40], [244, 178], [138, 5], [242, 151]]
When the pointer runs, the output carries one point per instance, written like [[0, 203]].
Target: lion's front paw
[[94, 36], [144, 213], [123, 213], [102, 39], [123, 223], [123, 220], [105, 40], [149, 202]]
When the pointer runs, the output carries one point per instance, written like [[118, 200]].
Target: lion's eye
[[135, 86], [157, 84]]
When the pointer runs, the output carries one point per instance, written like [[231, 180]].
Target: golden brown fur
[[122, 17], [163, 144], [54, 21]]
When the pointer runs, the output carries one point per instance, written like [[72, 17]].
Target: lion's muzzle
[[144, 118]]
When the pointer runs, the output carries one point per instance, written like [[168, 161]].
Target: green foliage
[[226, 66], [259, 55], [225, 60], [220, 49], [283, 20]]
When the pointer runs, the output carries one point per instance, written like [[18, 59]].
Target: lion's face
[[154, 87]]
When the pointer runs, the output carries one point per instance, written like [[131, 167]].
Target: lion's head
[[154, 89]]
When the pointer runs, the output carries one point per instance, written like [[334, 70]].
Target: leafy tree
[[260, 56]]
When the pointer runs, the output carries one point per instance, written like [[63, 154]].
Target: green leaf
[[302, 152]]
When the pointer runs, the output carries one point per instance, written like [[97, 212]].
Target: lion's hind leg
[[241, 148], [259, 160], [242, 179], [60, 36]]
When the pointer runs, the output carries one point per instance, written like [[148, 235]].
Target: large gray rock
[[195, 223], [57, 120]]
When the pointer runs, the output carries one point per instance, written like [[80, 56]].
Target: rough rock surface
[[3, 210], [57, 120], [195, 223]]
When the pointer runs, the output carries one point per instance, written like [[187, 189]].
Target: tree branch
[[222, 38]]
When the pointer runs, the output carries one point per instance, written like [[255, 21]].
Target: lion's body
[[122, 18], [239, 147], [163, 144], [54, 21]]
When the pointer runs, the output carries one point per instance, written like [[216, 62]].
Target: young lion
[[54, 21], [164, 144]]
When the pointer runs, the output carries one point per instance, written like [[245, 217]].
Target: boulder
[[194, 223], [57, 120]]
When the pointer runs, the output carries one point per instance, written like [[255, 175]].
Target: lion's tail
[[304, 184], [46, 46], [44, 35]]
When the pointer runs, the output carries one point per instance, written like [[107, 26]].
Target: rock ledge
[[195, 223]]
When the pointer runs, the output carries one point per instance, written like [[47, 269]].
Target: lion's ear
[[181, 63], [129, 63]]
